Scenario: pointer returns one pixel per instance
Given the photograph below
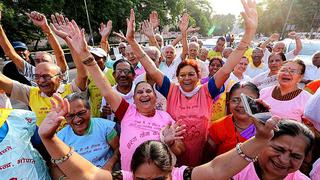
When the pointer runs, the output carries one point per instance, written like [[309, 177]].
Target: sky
[[227, 6]]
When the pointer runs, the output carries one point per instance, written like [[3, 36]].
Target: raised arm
[[81, 55], [105, 31], [40, 20], [250, 17], [9, 50], [75, 167], [293, 35], [230, 163], [145, 60], [68, 32], [179, 37], [6, 83], [147, 30], [272, 38], [183, 26]]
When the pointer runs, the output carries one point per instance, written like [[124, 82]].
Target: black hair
[[244, 84], [300, 63], [281, 54], [135, 88], [123, 61], [221, 39], [153, 152], [77, 95], [294, 128]]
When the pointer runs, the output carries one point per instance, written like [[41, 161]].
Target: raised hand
[[59, 25], [39, 20], [147, 29], [250, 15], [265, 131], [131, 24], [154, 20], [120, 35], [274, 37], [184, 23], [292, 34], [105, 30], [51, 123], [173, 132], [193, 29]]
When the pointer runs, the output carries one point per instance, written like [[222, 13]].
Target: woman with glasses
[[189, 102], [282, 157], [286, 99], [237, 127], [93, 138], [151, 159]]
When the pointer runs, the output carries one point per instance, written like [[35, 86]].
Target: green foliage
[[273, 13]]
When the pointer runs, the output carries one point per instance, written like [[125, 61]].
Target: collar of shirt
[[60, 90], [254, 67]]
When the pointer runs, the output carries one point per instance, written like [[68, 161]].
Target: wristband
[[89, 61], [243, 155], [62, 159]]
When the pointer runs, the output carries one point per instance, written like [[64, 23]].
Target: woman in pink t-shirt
[[286, 99], [189, 102], [283, 155]]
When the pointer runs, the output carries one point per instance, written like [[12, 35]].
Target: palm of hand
[[105, 30], [154, 20], [131, 26], [250, 15], [184, 23]]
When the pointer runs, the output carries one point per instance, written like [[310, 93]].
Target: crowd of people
[[153, 113]]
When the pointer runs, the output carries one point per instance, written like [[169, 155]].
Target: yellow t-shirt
[[41, 105], [248, 54], [95, 94], [212, 54]]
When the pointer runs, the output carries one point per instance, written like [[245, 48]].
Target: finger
[[58, 98], [75, 26], [53, 19], [244, 15], [180, 133], [54, 104], [66, 20], [245, 6], [66, 107], [178, 138]]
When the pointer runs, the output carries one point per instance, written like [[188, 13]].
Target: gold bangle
[[243, 155]]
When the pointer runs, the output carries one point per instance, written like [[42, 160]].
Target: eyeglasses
[[235, 100], [190, 75], [46, 77], [125, 71], [79, 114], [291, 71]]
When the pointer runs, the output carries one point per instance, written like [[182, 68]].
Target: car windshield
[[308, 48]]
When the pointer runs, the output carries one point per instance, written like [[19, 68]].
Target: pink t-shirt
[[136, 129], [250, 173], [177, 174], [315, 173], [195, 113], [292, 109]]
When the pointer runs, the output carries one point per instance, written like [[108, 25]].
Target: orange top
[[224, 134], [312, 86]]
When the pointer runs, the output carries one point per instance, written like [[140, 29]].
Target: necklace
[[237, 126]]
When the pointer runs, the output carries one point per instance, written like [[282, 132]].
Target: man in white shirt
[[280, 46], [312, 70], [256, 66], [193, 51], [169, 66]]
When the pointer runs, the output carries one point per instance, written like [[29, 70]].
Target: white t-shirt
[[263, 80], [204, 69], [235, 79], [253, 71], [170, 71], [311, 110], [312, 72]]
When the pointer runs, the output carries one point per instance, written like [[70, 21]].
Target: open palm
[[51, 123]]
